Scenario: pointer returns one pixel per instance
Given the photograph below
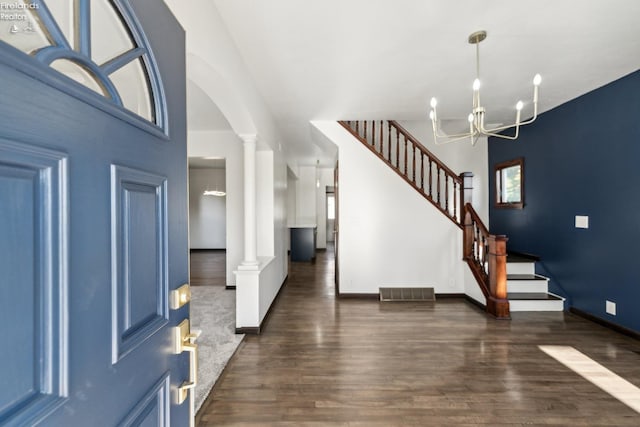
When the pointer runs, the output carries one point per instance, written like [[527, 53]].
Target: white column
[[250, 261]]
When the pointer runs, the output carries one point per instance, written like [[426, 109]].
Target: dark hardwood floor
[[208, 267], [327, 362]]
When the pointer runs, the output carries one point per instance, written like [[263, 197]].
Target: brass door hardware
[[184, 340], [179, 297]]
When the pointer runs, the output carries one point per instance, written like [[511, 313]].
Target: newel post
[[499, 305], [466, 190]]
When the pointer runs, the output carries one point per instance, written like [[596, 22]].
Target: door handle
[[184, 340]]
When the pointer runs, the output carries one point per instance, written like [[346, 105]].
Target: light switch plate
[[611, 308], [582, 221]]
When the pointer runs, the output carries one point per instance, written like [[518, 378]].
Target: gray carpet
[[213, 311]]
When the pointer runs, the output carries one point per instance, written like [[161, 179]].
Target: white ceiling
[[384, 59]]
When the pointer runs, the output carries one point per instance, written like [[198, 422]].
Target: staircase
[[505, 288], [526, 290]]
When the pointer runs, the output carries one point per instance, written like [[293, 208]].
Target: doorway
[[331, 214], [213, 303], [207, 221]]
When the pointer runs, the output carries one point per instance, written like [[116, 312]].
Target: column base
[[249, 265]]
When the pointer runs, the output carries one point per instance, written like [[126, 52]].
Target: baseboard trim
[[257, 330], [254, 330], [230, 287], [371, 296], [359, 296], [602, 322], [475, 303], [450, 296], [207, 250]]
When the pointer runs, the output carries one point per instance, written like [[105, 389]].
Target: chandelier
[[477, 116]]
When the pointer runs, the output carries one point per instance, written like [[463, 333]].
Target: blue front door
[[93, 220]]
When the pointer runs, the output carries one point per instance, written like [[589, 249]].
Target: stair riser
[[529, 286], [521, 268], [533, 305]]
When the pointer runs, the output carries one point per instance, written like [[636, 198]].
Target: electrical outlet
[[582, 221], [611, 308]]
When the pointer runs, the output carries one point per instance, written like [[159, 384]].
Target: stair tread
[[518, 258], [542, 296], [525, 277]]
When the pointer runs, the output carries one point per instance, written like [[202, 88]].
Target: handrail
[[413, 162], [422, 147], [486, 255]]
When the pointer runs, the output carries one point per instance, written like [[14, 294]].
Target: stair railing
[[485, 253], [413, 162]]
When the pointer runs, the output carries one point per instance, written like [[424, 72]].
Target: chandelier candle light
[[477, 117]]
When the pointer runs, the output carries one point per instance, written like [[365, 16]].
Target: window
[[96, 43], [331, 206], [509, 184]]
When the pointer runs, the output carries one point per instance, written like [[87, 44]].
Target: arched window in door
[[97, 43]]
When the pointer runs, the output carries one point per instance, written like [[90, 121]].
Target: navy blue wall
[[581, 158]]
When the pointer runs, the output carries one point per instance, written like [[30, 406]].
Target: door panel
[[139, 257], [153, 409], [32, 269], [93, 223]]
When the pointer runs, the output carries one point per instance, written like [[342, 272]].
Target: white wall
[[229, 146], [280, 217], [390, 235], [461, 157], [306, 196], [207, 214], [291, 195], [265, 203]]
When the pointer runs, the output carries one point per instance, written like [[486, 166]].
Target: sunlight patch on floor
[[597, 374]]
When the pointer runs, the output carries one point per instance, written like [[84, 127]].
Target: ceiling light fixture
[[216, 193], [477, 117]]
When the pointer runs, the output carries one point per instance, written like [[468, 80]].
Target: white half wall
[[226, 144], [257, 288], [389, 234], [207, 214]]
